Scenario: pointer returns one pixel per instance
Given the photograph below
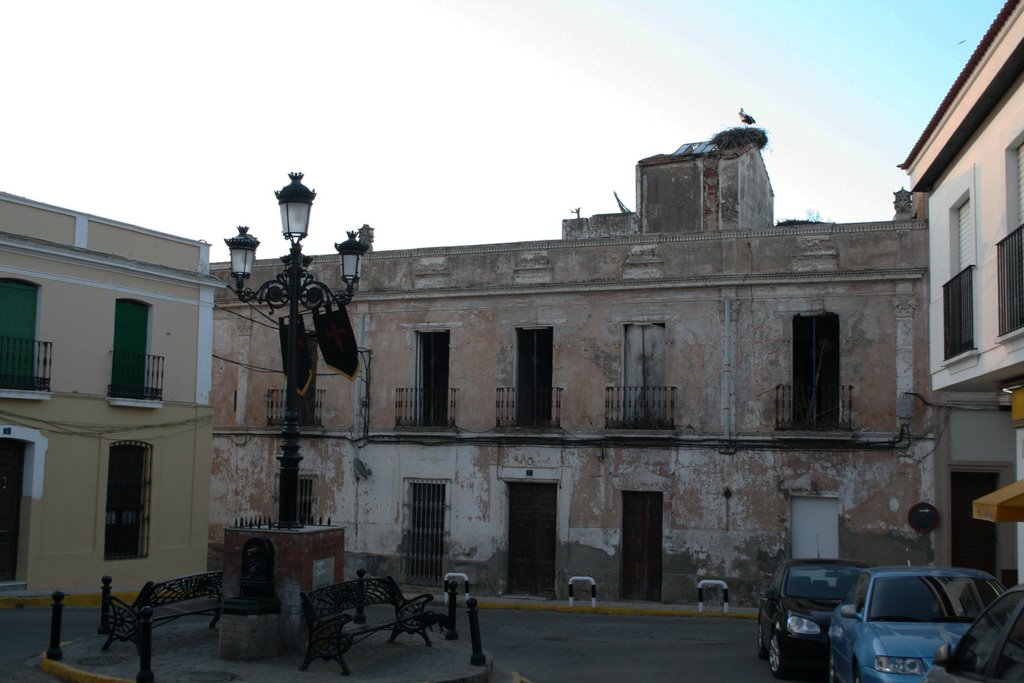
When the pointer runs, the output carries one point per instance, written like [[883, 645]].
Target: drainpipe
[[727, 370]]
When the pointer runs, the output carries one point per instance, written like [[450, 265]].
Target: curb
[[68, 673]]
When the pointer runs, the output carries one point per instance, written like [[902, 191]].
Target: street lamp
[[293, 287]]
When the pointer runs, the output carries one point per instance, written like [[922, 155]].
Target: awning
[[1002, 505]]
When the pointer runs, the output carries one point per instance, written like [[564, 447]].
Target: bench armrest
[[414, 605]]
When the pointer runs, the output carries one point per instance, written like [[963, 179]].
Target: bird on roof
[[746, 118]]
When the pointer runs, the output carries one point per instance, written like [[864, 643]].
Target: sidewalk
[[187, 650]]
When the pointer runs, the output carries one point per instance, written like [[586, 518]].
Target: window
[[134, 373], [533, 375], [424, 547], [24, 362], [128, 484], [642, 402], [432, 377], [978, 644], [308, 499], [816, 399], [1020, 185], [965, 236]]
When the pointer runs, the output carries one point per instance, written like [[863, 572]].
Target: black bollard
[[145, 674], [57, 610], [105, 606], [478, 657], [361, 597], [451, 588]]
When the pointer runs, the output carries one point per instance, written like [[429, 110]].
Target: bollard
[[450, 592], [593, 589], [361, 592], [104, 628], [712, 582], [478, 658], [54, 651], [450, 575], [145, 674]]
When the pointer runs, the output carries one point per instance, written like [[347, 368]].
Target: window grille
[[307, 498], [425, 534], [128, 487]]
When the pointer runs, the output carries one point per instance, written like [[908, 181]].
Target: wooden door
[[11, 458], [973, 541], [532, 538], [641, 545]]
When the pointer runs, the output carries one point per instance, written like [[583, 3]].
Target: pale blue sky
[[446, 122]]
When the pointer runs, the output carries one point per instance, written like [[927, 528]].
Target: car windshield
[[821, 581], [930, 598]]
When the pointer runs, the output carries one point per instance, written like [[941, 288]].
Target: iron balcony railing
[[639, 407], [1010, 255], [425, 407], [531, 408], [136, 375], [309, 407], [813, 408], [25, 364], [958, 313]]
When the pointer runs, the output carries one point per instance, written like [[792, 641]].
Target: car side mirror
[[848, 611], [943, 655]]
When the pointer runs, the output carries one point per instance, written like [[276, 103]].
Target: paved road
[[544, 647], [548, 647]]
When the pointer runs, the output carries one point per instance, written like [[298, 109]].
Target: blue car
[[893, 618]]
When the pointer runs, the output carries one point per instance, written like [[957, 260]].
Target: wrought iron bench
[[199, 594], [329, 610]]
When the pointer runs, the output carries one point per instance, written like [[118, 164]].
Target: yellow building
[[105, 422]]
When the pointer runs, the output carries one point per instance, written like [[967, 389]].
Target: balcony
[[958, 313], [805, 408], [309, 407], [1010, 255], [529, 408], [25, 364], [639, 407], [137, 376], [418, 408]]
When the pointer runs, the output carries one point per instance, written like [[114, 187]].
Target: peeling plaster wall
[[870, 275]]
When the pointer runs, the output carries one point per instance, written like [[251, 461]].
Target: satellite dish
[[362, 471]]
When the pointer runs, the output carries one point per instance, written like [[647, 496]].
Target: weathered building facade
[[679, 393]]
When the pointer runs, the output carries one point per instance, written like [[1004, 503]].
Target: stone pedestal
[[304, 559]]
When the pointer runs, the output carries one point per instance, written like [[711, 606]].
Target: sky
[[451, 122]]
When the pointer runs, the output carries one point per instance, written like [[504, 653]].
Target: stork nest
[[731, 138]]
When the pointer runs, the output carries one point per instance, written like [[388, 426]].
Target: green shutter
[[17, 334], [131, 324], [18, 303]]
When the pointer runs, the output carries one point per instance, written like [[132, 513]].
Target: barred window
[[128, 485], [307, 498], [425, 533]]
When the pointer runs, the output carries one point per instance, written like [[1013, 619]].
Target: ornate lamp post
[[293, 287]]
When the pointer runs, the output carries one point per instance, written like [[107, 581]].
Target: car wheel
[[775, 663], [762, 651]]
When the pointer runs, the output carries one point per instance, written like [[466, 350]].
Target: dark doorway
[[433, 377], [12, 455], [816, 391], [972, 541], [641, 545], [531, 538], [533, 377]]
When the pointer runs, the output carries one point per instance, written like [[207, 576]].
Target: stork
[[746, 118]]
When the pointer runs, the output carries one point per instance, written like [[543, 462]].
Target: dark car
[[793, 614], [993, 648]]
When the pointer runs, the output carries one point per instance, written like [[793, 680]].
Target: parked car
[[991, 650], [893, 619], [793, 614]]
